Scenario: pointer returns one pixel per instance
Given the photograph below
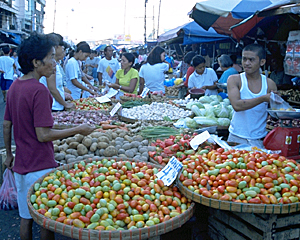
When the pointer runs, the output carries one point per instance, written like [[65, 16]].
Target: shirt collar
[[205, 71]]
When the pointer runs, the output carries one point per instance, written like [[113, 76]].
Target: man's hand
[[70, 106], [86, 129], [9, 162], [68, 96]]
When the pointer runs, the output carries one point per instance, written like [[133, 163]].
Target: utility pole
[[158, 19], [145, 34], [54, 16]]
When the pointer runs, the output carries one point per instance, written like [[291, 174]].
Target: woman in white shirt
[[203, 77], [152, 73]]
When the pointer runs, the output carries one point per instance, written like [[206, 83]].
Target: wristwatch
[[120, 87]]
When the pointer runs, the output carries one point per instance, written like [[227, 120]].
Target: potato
[[93, 147], [127, 138], [122, 134], [70, 139], [114, 135], [87, 141], [56, 142], [55, 147], [59, 156], [63, 147], [63, 141], [79, 137], [102, 145], [81, 149], [73, 145], [95, 134], [103, 139], [110, 151]]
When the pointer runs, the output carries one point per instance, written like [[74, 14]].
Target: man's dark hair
[[154, 55], [57, 38], [188, 57], [257, 48], [105, 49], [197, 60], [5, 50], [37, 46]]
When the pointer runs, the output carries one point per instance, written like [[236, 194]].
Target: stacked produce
[[177, 146], [291, 94], [171, 91], [108, 195], [108, 144], [67, 118], [155, 111], [91, 103], [242, 176], [272, 122], [209, 110]]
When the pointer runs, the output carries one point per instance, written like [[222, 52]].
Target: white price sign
[[169, 173], [199, 139], [111, 92], [145, 92], [115, 109], [103, 99]]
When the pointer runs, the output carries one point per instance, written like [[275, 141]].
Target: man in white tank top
[[249, 94]]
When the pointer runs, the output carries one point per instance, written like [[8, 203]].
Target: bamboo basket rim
[[238, 207], [91, 234]]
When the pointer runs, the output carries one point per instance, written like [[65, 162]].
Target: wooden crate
[[226, 225]]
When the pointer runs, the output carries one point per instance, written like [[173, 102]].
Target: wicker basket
[[239, 207], [84, 233]]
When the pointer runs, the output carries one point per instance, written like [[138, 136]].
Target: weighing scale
[[284, 138]]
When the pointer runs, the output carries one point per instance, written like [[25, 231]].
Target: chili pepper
[[169, 142], [151, 154]]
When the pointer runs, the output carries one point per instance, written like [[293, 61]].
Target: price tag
[[103, 99], [200, 138], [169, 173], [145, 92], [188, 97], [115, 109], [111, 92]]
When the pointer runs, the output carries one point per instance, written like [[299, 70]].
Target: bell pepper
[[180, 156], [169, 142], [184, 143], [186, 136], [162, 145], [167, 150], [174, 147], [152, 154], [159, 159]]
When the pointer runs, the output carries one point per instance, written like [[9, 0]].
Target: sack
[[8, 191]]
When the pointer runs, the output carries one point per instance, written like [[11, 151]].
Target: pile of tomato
[[108, 195], [90, 104], [243, 176]]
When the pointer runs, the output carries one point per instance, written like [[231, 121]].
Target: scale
[[284, 138]]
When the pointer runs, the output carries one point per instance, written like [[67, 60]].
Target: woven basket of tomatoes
[[107, 198], [242, 181]]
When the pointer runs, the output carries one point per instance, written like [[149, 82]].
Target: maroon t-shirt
[[29, 106]]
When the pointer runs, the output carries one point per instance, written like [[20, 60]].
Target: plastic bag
[[277, 103], [181, 123], [8, 192]]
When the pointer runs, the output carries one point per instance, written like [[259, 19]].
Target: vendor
[[277, 75], [249, 94], [127, 78], [203, 77], [226, 65]]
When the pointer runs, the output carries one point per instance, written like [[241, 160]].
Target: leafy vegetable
[[196, 110], [221, 111], [223, 122], [226, 101], [213, 103], [205, 99], [191, 123], [217, 98], [206, 121]]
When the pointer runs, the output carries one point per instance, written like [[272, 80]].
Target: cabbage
[[209, 111], [198, 104], [230, 115], [181, 123], [213, 103], [223, 122], [217, 98], [226, 101], [191, 123], [205, 99], [229, 108], [221, 111], [206, 121]]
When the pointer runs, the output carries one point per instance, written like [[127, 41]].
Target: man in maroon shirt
[[28, 110]]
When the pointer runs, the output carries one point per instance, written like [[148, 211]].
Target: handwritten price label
[[199, 139], [145, 92], [169, 173], [115, 109]]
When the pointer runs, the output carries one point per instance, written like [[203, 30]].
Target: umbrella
[[272, 23], [190, 33], [221, 15], [102, 46]]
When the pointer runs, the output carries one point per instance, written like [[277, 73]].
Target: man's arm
[[7, 126], [51, 83], [100, 78], [141, 87], [47, 134], [238, 104], [272, 87], [79, 85]]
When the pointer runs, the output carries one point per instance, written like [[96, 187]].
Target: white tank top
[[251, 123]]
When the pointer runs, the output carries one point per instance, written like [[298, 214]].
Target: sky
[[94, 20]]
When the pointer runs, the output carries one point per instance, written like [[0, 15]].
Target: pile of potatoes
[[108, 144]]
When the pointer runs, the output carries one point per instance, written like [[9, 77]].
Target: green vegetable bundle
[[130, 104], [160, 132]]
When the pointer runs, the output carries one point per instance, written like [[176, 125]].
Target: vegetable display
[[108, 195], [91, 103], [171, 91], [65, 118], [155, 111], [158, 132], [242, 176]]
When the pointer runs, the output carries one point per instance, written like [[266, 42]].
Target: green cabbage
[[205, 99], [198, 104], [226, 101], [217, 98], [221, 111], [209, 111], [196, 110], [206, 121], [191, 123], [223, 122], [213, 103]]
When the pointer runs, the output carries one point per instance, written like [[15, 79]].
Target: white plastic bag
[[277, 103]]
